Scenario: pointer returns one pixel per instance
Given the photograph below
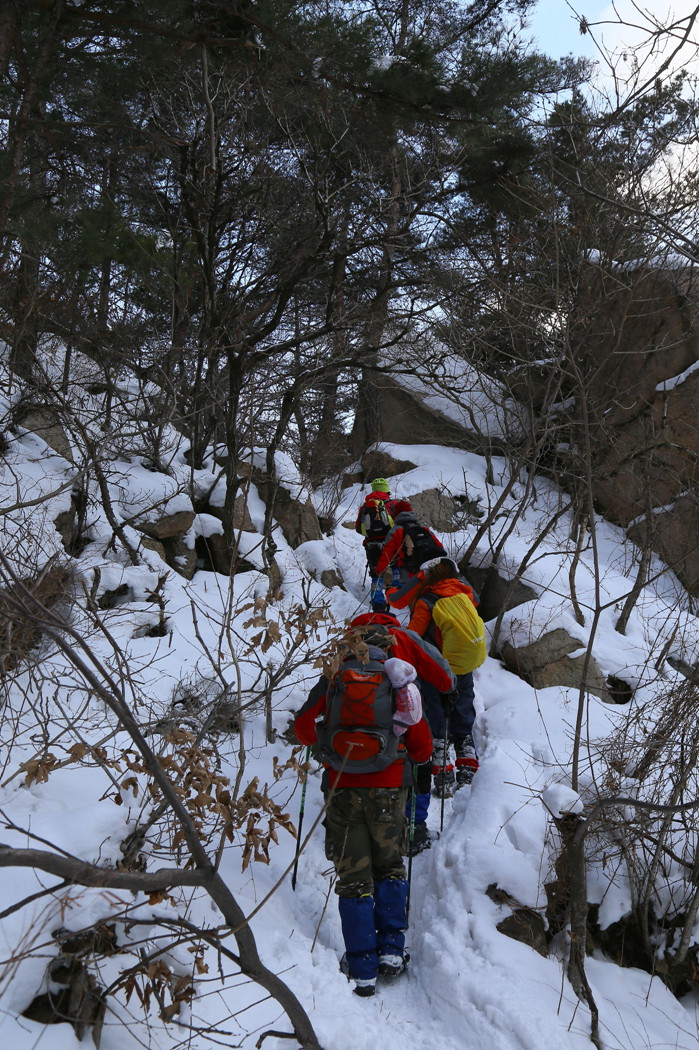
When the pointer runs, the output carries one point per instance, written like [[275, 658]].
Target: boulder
[[523, 924], [180, 557], [150, 544], [242, 522], [528, 927], [331, 578], [298, 521], [350, 478], [394, 414], [18, 633], [674, 537], [45, 422], [65, 523], [215, 553], [437, 509], [169, 526], [547, 662], [495, 593], [636, 335], [379, 464]]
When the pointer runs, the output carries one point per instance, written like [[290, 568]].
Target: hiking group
[[383, 717]]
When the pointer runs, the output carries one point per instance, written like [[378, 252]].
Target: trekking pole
[[298, 833], [444, 767], [411, 839]]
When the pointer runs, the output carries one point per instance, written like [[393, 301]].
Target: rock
[[436, 508], [182, 558], [18, 634], [298, 521], [215, 552], [46, 424], [407, 419], [242, 522], [169, 526], [65, 526], [350, 479], [74, 996], [675, 531], [154, 545], [524, 924], [527, 926], [546, 662], [331, 578], [637, 338], [111, 599], [378, 464], [494, 591]]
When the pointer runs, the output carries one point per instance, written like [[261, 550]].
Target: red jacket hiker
[[397, 551], [430, 666]]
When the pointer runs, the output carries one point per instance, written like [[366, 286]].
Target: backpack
[[462, 630], [356, 732], [419, 545], [376, 520]]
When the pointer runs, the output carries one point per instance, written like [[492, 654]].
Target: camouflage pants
[[364, 837]]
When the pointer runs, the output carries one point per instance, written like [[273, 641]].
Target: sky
[[555, 25]]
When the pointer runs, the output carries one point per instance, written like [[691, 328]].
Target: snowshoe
[[393, 965], [420, 841], [443, 781]]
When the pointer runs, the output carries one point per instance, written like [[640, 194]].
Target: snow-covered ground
[[468, 986]]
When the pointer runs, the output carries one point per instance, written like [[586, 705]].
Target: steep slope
[[213, 672]]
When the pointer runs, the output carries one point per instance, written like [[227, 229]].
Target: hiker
[[365, 817], [433, 673], [443, 611], [407, 546], [374, 522]]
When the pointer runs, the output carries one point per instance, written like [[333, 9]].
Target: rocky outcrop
[[637, 338], [379, 464], [548, 662], [298, 520], [169, 526], [496, 594], [45, 422], [403, 417], [443, 512], [19, 634]]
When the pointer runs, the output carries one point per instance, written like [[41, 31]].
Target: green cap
[[380, 485]]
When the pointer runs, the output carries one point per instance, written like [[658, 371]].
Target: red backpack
[[356, 733]]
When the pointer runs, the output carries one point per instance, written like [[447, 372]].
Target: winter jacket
[[417, 740], [451, 595], [394, 550], [371, 499], [427, 660], [415, 743]]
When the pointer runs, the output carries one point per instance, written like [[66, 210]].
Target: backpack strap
[[430, 599]]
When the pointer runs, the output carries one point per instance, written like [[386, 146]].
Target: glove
[[449, 701]]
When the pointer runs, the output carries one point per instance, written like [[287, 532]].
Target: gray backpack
[[356, 733]]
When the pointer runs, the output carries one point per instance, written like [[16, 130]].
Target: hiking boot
[[365, 988], [466, 760], [466, 769], [443, 781], [420, 840], [393, 965]]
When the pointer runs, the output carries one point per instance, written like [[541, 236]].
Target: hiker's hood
[[368, 619], [406, 517], [446, 588]]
